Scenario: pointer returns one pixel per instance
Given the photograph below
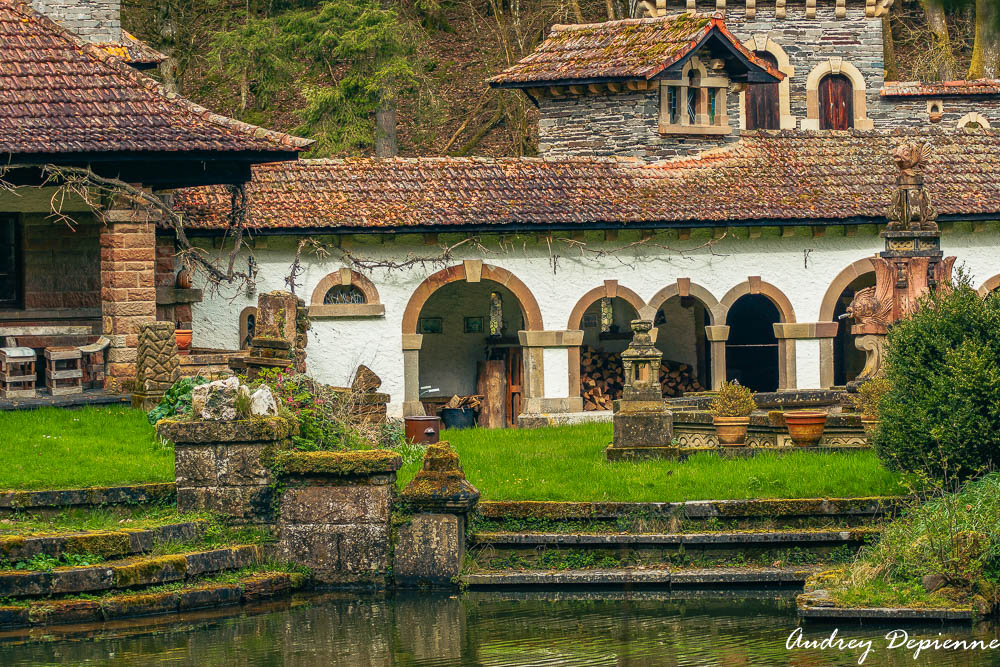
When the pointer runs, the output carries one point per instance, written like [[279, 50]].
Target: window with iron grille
[[344, 294]]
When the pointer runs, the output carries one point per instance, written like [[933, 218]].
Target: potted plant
[[183, 338], [805, 426], [866, 401], [731, 410]]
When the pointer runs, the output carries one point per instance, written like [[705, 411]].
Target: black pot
[[458, 417]]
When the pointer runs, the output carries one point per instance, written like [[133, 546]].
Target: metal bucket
[[458, 417], [423, 430]]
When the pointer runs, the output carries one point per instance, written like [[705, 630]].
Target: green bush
[[733, 400], [941, 414], [176, 402], [869, 396]]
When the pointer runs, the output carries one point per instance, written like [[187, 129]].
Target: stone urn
[[731, 431], [805, 426], [183, 337]]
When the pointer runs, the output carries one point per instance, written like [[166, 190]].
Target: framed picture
[[474, 325], [430, 325], [590, 320]]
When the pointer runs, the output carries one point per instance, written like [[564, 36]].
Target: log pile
[[457, 401], [602, 378]]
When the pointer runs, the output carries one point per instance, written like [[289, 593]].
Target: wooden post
[[491, 383]]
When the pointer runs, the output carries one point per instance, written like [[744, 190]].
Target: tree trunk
[[385, 130], [889, 50], [577, 14], [491, 383], [610, 9], [942, 43], [986, 49]]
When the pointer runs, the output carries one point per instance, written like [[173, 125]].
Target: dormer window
[[703, 95]]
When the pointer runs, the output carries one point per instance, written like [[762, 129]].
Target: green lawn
[[567, 463], [56, 448]]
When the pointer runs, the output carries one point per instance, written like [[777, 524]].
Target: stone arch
[[610, 289], [837, 65], [754, 285], [762, 42], [684, 287], [827, 312], [990, 285], [344, 277], [248, 323], [973, 117], [472, 271]]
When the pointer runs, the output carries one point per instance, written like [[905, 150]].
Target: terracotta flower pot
[[805, 426], [732, 431], [183, 337]]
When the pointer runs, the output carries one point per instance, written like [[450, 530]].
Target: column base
[[413, 409]]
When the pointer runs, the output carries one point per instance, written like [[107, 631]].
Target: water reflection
[[606, 628]]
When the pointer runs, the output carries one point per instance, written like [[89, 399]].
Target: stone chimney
[[96, 21]]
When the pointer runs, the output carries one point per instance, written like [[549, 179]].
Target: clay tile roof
[[767, 177], [60, 95], [617, 50], [133, 51], [940, 88]]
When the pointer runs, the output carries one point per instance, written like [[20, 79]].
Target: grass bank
[[56, 448], [567, 464]]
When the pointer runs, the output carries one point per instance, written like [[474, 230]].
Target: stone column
[[335, 513], [548, 391], [430, 547], [222, 466], [412, 407], [717, 335], [799, 350], [157, 364], [128, 291]]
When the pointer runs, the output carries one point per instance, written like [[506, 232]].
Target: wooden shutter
[[836, 103], [762, 101]]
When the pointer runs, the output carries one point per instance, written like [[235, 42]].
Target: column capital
[[413, 341], [807, 330], [562, 338], [717, 333]]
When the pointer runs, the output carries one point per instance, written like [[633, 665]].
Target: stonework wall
[[912, 112], [61, 265], [94, 20]]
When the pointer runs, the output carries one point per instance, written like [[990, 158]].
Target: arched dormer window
[[695, 103], [345, 293], [768, 106]]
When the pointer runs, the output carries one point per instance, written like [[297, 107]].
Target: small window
[[692, 98], [344, 294], [672, 104], [10, 263]]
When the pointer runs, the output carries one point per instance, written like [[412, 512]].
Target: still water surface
[[603, 628]]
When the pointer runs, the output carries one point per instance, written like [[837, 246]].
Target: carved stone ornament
[[910, 207]]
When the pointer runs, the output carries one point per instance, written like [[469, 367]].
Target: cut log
[[491, 384]]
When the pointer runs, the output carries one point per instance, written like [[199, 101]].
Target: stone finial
[[911, 208], [641, 360], [440, 486]]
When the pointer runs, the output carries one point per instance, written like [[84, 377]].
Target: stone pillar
[[429, 548], [549, 387], [717, 335], [412, 407], [335, 513], [157, 364], [280, 334], [222, 466], [128, 291], [799, 347]]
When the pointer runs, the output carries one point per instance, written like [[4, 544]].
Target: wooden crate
[[64, 370], [17, 372]]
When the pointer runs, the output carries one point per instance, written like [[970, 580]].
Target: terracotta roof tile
[[768, 176], [61, 95], [133, 51], [940, 88], [617, 50]]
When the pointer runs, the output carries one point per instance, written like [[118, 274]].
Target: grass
[[567, 464], [56, 448]]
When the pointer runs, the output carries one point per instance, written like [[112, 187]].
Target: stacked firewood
[[602, 378], [457, 401]]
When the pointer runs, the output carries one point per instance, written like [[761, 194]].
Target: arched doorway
[[680, 323], [752, 355], [763, 110], [848, 361], [836, 102]]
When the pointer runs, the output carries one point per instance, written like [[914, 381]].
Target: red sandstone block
[[147, 279], [144, 241], [121, 279], [142, 294], [132, 340]]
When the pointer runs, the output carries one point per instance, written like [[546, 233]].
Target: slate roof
[[61, 95], [630, 49], [767, 177], [940, 88]]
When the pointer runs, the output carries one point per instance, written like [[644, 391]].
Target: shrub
[[941, 413], [733, 400], [868, 397], [176, 401]]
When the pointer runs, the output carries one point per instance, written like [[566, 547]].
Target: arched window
[[973, 121], [248, 326], [344, 294], [836, 103], [762, 108]]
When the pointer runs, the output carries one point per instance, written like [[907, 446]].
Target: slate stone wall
[[912, 112], [94, 20]]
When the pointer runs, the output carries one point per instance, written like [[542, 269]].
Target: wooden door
[[515, 370], [836, 103], [762, 101]]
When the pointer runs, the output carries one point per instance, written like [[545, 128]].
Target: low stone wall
[[223, 467], [694, 429]]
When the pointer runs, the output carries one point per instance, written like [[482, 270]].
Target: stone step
[[819, 607], [12, 502], [199, 595], [743, 577], [126, 574], [106, 543], [770, 538]]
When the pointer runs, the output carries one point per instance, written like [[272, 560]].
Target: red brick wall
[[61, 266]]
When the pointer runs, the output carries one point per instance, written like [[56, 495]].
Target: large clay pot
[[183, 280], [805, 426], [732, 431], [422, 430], [183, 337]]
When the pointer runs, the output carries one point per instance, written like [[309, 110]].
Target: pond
[[484, 628]]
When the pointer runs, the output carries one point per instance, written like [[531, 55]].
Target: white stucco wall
[[801, 266]]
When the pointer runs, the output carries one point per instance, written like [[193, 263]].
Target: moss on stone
[[10, 544], [148, 571], [102, 543], [256, 429], [338, 464]]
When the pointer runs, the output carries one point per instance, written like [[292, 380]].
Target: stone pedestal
[[157, 364], [335, 514], [431, 545], [222, 467], [280, 335]]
